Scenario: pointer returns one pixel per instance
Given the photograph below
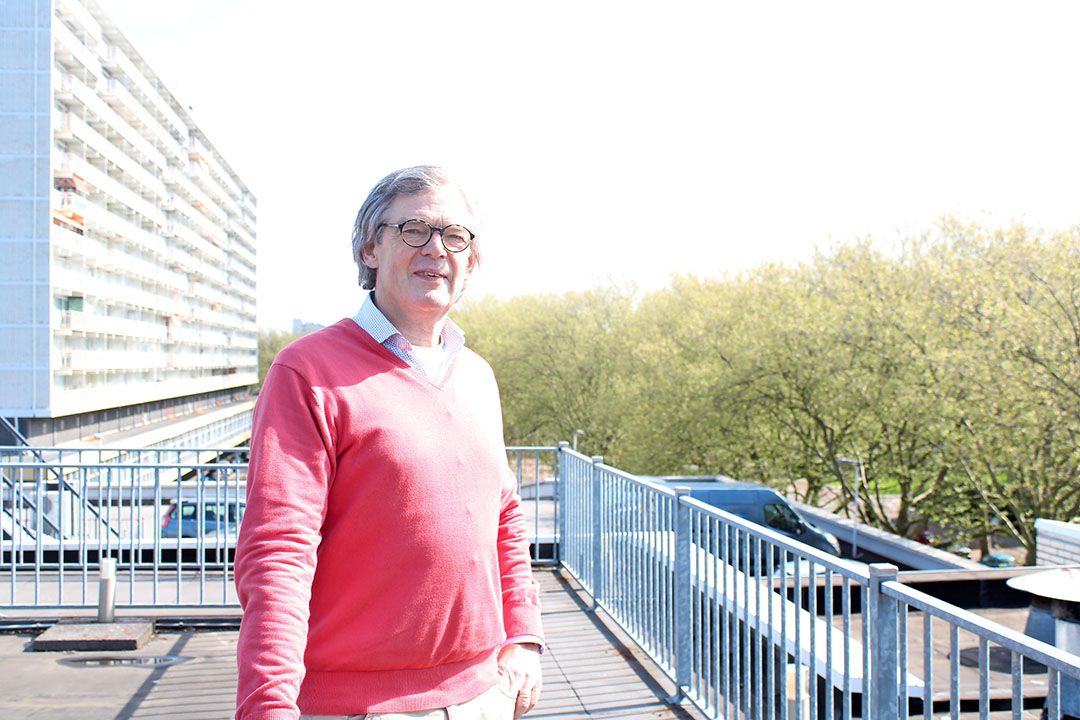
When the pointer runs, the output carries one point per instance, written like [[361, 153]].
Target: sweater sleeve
[[291, 463], [520, 593]]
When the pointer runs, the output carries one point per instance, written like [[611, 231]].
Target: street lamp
[[577, 432], [857, 474]]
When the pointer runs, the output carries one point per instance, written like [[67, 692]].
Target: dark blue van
[[758, 504]]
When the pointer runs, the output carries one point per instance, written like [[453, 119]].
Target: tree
[[271, 342], [559, 362], [1012, 296], [950, 369]]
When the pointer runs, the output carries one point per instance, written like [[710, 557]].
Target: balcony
[[77, 14], [212, 257], [107, 224], [179, 181], [111, 360], [69, 209], [242, 249], [73, 54], [198, 361], [180, 260], [109, 291], [203, 155], [119, 64], [73, 89], [68, 243], [72, 128], [119, 192], [241, 272], [130, 108], [209, 337], [147, 272], [199, 171], [88, 323], [204, 225]]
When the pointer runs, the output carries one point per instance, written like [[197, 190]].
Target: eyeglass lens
[[416, 233]]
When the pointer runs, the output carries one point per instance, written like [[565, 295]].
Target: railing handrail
[[612, 553], [35, 449], [128, 466], [1014, 641], [847, 568]]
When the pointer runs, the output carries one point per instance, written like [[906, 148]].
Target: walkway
[[588, 673]]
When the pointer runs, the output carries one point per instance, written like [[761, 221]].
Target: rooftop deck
[[591, 670], [588, 673], [744, 621]]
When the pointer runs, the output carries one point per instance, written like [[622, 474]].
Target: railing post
[[106, 589], [597, 536], [683, 599], [560, 508], [884, 665]]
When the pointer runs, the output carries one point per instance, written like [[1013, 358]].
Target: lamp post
[[577, 432], [857, 475]]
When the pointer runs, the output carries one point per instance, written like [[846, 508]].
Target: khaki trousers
[[495, 704]]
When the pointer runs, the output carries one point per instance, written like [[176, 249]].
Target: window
[[782, 518]]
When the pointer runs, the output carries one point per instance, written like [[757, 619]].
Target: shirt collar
[[371, 319]]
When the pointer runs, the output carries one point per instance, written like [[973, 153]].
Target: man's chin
[[435, 299]]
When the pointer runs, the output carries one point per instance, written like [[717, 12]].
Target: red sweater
[[383, 552]]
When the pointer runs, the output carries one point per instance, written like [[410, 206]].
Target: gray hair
[[410, 181]]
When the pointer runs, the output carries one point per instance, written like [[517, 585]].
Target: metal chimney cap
[[1057, 584]]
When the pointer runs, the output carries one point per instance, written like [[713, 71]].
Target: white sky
[[614, 141]]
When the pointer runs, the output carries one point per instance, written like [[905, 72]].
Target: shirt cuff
[[535, 639]]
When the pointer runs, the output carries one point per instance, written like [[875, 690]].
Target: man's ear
[[367, 254]]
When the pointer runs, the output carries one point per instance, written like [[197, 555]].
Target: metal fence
[[750, 624], [168, 516], [746, 622]]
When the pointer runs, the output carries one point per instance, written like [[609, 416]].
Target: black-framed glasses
[[417, 233]]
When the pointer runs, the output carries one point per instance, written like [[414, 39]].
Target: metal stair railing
[[24, 503], [61, 481]]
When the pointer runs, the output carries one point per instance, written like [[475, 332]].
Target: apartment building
[[127, 243]]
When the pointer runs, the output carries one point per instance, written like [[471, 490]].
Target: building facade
[[127, 243]]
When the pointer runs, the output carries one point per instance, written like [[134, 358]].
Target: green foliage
[[271, 342], [560, 362], [950, 370]]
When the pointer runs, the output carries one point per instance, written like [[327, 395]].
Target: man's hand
[[520, 663]]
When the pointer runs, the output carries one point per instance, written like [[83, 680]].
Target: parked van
[[758, 504], [187, 518]]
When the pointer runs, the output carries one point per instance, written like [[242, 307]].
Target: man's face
[[418, 284]]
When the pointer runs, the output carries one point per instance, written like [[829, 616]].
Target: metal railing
[[1024, 656], [748, 623], [65, 509], [68, 516]]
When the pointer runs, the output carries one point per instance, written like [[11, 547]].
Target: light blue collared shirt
[[371, 319]]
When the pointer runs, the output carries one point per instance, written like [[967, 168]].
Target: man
[[383, 562]]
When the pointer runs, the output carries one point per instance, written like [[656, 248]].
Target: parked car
[[960, 549], [184, 518], [998, 560]]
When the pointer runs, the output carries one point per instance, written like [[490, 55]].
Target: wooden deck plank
[[588, 673], [590, 669]]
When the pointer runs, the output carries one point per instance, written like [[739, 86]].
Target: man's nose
[[434, 246]]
